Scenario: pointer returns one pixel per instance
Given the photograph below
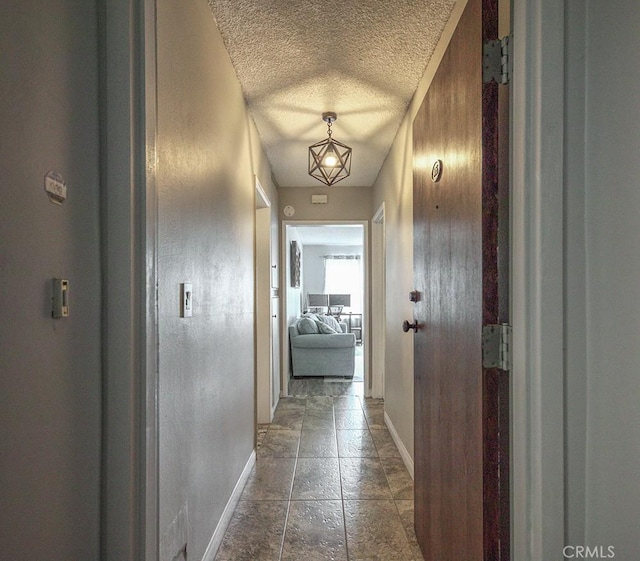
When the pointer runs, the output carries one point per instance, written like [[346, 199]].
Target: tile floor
[[329, 484]]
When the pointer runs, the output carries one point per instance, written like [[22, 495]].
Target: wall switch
[[186, 300], [60, 300]]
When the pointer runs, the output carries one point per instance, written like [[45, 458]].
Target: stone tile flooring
[[329, 484]]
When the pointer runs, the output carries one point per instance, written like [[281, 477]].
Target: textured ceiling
[[296, 59]]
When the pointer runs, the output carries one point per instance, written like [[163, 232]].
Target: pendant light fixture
[[329, 160]]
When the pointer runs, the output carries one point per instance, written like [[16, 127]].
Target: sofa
[[320, 346]]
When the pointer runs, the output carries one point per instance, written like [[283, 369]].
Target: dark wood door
[[461, 409]]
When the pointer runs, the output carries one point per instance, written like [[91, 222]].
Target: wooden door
[[461, 409]]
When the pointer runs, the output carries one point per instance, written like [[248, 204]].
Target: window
[[343, 275]]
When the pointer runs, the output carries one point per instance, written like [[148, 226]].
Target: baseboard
[[406, 457], [221, 528]]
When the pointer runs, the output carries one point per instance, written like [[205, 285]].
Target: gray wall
[[602, 267], [575, 320], [345, 203], [50, 385], [206, 237]]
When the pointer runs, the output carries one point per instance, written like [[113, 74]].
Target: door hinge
[[496, 61], [496, 346]]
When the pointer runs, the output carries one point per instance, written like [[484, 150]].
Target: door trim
[[378, 301], [537, 256], [129, 222], [284, 328], [262, 325]]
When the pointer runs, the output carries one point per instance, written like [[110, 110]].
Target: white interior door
[[378, 302], [263, 311]]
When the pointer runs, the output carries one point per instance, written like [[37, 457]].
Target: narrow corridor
[[329, 484]]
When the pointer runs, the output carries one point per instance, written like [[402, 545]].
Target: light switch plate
[[60, 300], [186, 300]]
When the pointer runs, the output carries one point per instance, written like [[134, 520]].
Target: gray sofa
[[321, 354]]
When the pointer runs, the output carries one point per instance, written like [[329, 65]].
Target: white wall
[[394, 187], [294, 295], [50, 372], [208, 153], [293, 298]]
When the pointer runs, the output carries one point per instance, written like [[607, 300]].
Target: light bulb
[[330, 161]]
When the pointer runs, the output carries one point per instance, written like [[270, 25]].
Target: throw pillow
[[324, 328], [331, 322], [306, 326]]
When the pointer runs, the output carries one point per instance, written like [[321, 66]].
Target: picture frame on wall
[[295, 265]]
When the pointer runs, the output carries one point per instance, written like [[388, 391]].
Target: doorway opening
[[326, 274]]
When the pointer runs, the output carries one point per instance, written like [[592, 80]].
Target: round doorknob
[[406, 326]]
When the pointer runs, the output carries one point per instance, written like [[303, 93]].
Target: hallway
[[329, 483]]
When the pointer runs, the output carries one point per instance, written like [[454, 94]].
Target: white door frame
[[378, 302], [263, 325], [129, 216], [537, 256], [285, 264]]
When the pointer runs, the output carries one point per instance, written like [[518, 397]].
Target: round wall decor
[[436, 171]]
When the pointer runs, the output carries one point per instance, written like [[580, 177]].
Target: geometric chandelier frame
[[329, 160]]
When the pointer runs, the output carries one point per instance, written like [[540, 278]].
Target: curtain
[[343, 274]]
